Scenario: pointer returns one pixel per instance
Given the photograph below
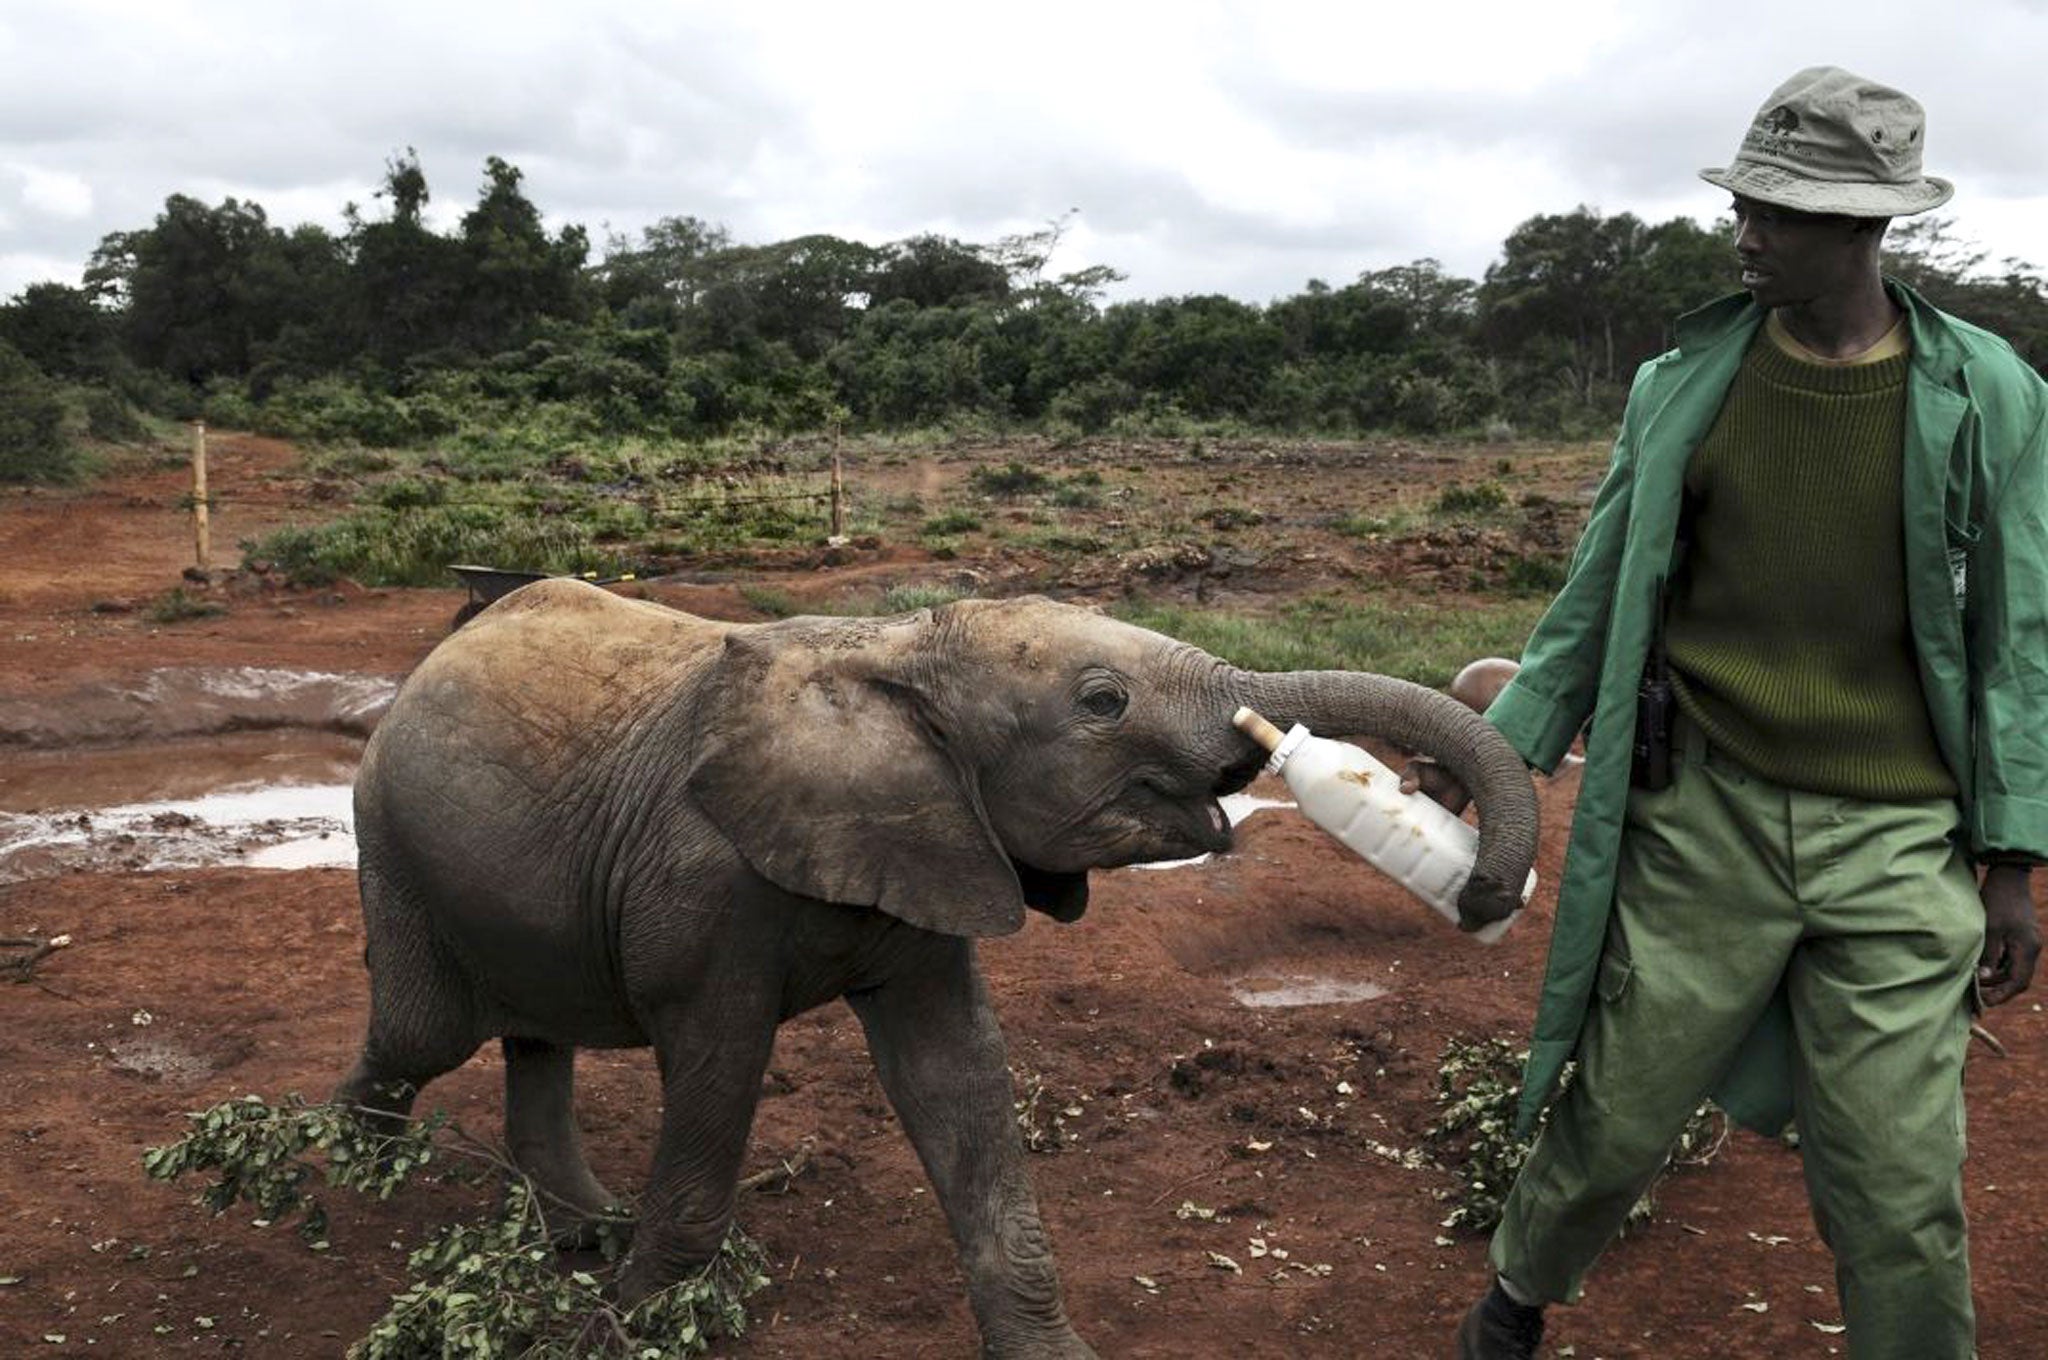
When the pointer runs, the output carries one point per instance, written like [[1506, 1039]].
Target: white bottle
[[1411, 838]]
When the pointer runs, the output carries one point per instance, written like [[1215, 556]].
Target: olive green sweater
[[1787, 627]]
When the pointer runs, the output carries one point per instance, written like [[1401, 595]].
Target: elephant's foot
[[578, 1230], [662, 1254], [575, 1205], [1056, 1344]]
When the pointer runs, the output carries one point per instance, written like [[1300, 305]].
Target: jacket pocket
[[1960, 540], [1616, 968]]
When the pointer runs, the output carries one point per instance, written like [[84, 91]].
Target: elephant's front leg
[[711, 1069], [941, 1060]]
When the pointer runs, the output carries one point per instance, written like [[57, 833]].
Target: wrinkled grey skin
[[589, 821]]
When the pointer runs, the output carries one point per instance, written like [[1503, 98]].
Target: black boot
[[1498, 1328]]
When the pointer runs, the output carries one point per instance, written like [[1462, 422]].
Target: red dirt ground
[[253, 983]]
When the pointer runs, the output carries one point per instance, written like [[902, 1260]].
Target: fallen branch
[[38, 949], [789, 1170]]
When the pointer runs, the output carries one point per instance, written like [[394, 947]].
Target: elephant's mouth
[[1062, 896], [1234, 778]]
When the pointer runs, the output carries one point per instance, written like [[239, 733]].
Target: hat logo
[[1782, 121], [1773, 132]]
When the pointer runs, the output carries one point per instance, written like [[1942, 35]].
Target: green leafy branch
[[1479, 1089], [492, 1287]]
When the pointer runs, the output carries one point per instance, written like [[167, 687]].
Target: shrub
[[414, 547], [952, 522], [33, 446], [1481, 498], [108, 417], [1011, 479], [175, 606]]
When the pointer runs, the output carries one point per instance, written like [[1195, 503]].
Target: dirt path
[[187, 987]]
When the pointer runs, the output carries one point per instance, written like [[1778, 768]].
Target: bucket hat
[[1829, 141]]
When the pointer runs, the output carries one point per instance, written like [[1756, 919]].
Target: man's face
[[1790, 258]]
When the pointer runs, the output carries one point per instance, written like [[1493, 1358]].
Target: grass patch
[[775, 603], [950, 523], [909, 599], [1010, 480], [414, 546], [175, 606], [1363, 524], [1481, 498], [1425, 643]]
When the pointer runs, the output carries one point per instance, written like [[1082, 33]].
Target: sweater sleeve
[[1541, 710], [2008, 644]]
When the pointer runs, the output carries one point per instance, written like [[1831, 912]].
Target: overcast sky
[[1240, 148]]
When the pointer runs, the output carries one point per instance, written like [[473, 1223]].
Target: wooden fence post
[[838, 490], [199, 525]]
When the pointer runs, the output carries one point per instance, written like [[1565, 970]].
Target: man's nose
[[1746, 239]]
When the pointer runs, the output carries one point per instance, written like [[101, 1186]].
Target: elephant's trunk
[[1350, 703]]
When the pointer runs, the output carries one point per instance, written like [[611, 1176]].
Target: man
[[1824, 524]]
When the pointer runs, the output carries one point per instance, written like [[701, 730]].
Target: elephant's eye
[[1105, 701]]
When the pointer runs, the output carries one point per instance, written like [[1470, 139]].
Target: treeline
[[393, 333]]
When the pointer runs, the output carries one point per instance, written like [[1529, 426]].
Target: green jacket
[[1976, 494]]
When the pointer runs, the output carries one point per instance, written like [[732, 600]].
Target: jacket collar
[[1936, 349]]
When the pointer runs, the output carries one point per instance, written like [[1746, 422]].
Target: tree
[[804, 293], [62, 331], [405, 281], [32, 443], [2010, 300], [203, 288], [516, 274], [936, 271], [653, 282]]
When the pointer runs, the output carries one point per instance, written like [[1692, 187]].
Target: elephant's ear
[[818, 758]]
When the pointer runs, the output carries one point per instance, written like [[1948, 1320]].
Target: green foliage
[[1481, 498], [952, 522], [504, 335], [487, 1288], [268, 1155], [33, 444], [909, 599], [175, 606], [1479, 1084], [496, 1288], [768, 600], [1426, 645], [1479, 1088], [1009, 481], [110, 418], [415, 546]]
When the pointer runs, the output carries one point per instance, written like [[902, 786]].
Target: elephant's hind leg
[[424, 1019], [540, 1131]]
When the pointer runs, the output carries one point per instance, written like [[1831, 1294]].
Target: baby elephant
[[596, 822]]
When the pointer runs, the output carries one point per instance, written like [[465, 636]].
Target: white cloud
[[1208, 146], [56, 193]]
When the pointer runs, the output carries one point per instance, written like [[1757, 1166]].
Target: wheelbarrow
[[487, 584]]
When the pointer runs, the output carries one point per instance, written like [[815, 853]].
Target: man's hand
[[2012, 937], [1436, 782]]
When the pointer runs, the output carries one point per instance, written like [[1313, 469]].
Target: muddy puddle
[[197, 701], [185, 769], [1296, 990]]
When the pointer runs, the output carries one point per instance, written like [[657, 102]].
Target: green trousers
[[1735, 895]]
